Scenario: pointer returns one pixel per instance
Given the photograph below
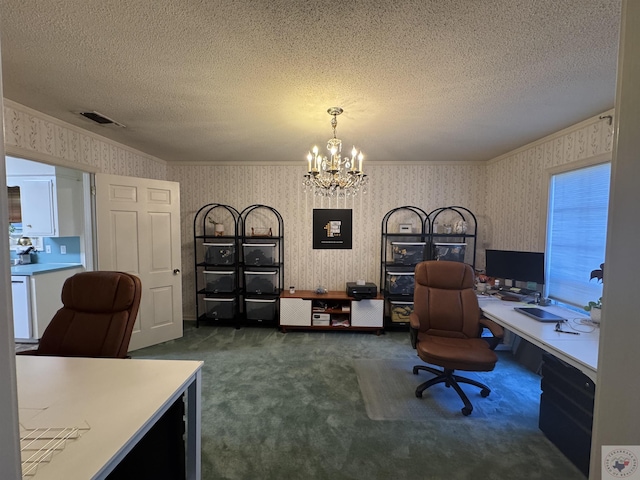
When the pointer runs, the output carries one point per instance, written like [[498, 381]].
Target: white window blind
[[576, 233]]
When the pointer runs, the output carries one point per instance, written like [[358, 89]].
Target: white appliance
[[21, 307]]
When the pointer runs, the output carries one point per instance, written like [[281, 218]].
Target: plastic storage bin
[[400, 311], [219, 281], [259, 253], [261, 282], [260, 309], [220, 253], [450, 251], [407, 253], [400, 283], [320, 319], [220, 308]]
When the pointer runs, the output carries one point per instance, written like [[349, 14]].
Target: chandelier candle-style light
[[336, 176]]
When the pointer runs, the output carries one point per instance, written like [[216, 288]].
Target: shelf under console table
[[306, 309]]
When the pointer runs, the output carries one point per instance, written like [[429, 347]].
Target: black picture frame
[[332, 228]]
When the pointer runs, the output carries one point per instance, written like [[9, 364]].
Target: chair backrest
[[444, 299], [97, 317]]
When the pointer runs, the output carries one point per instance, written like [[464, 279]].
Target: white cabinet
[[295, 312], [329, 311], [21, 296], [51, 198], [51, 206], [46, 289], [36, 299], [367, 313], [37, 208]]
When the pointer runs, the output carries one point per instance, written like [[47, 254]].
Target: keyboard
[[508, 296], [517, 290]]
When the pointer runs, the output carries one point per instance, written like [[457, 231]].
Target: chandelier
[[335, 176]]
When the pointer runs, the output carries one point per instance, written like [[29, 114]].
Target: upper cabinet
[[51, 199], [37, 207]]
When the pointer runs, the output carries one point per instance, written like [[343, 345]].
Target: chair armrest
[[496, 330]]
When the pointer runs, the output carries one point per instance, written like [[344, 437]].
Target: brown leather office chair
[[446, 327], [96, 319]]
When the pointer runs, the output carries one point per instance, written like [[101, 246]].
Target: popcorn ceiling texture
[[250, 82]]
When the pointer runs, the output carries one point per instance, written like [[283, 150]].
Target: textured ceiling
[[251, 80]]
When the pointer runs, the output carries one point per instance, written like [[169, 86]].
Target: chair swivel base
[[447, 377]]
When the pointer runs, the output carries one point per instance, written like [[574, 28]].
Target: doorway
[[51, 209], [98, 221]]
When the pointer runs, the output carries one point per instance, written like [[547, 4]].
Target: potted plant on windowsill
[[595, 308]]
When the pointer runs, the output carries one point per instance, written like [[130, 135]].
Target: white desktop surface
[[119, 399], [580, 351]]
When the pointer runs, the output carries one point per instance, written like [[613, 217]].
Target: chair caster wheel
[[419, 394], [466, 411], [485, 392]]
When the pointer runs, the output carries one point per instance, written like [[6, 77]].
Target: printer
[[358, 292]]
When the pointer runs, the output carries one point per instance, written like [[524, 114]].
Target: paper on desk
[[38, 445], [483, 299]]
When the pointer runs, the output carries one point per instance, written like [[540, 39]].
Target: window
[[576, 233], [15, 211]]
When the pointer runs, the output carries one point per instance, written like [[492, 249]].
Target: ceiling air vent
[[101, 119]]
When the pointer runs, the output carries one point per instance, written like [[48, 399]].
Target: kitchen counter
[[36, 268], [36, 290]]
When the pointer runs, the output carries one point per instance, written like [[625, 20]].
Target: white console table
[[296, 311]]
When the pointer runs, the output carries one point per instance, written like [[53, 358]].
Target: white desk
[[580, 351], [119, 399]]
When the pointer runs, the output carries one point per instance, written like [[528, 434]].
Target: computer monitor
[[517, 266]]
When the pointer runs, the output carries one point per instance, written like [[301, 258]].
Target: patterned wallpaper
[[516, 182], [32, 131], [506, 194], [426, 186]]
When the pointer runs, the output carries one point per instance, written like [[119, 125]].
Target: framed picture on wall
[[332, 228]]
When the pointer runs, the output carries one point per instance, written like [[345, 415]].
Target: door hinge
[[93, 190]]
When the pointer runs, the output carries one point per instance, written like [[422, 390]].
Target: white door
[[138, 232]]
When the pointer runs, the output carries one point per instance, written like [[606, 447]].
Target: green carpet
[[289, 406]]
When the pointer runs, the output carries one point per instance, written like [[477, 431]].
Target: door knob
[[176, 271]]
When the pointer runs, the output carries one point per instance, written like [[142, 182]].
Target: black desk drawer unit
[[566, 410]]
